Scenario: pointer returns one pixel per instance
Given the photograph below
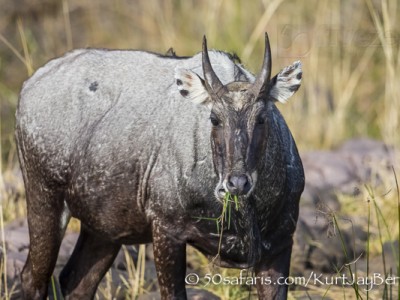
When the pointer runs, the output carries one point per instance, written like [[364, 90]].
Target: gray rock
[[325, 200], [329, 171], [319, 246], [365, 155]]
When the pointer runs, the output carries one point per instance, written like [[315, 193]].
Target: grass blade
[[344, 248], [4, 252], [236, 202]]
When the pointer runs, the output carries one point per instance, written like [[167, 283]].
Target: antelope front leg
[[277, 270], [170, 260]]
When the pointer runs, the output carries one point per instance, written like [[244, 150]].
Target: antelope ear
[[191, 86], [286, 82]]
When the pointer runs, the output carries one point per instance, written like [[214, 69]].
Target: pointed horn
[[213, 84], [264, 76]]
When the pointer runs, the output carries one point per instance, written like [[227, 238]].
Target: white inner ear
[[190, 86], [287, 82]]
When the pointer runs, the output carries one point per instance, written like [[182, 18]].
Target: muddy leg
[[47, 219], [170, 260], [277, 270], [91, 259]]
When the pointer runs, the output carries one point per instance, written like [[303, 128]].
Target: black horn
[[213, 84], [264, 76]]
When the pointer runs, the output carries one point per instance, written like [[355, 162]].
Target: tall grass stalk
[[107, 291], [2, 187], [4, 254], [136, 274], [142, 259], [53, 287], [347, 84], [24, 42], [14, 51], [67, 24], [348, 265], [396, 253], [372, 198], [385, 26], [379, 219], [258, 31]]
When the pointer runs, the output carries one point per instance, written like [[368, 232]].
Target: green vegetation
[[227, 202], [350, 51], [383, 233]]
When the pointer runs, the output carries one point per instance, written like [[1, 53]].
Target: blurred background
[[349, 51]]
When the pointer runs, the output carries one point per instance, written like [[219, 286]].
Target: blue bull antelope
[[139, 146]]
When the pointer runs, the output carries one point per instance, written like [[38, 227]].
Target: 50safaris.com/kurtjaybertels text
[[245, 278]]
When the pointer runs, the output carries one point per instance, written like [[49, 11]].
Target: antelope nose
[[238, 184]]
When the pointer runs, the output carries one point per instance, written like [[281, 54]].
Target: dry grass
[[385, 25], [350, 52]]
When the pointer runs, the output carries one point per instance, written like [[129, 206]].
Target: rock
[[345, 169], [325, 200], [370, 159], [319, 246], [15, 263], [327, 171], [303, 238], [17, 239]]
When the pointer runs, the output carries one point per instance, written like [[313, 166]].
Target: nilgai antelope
[[144, 148]]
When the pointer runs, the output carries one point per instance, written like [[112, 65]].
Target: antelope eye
[[214, 120]]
